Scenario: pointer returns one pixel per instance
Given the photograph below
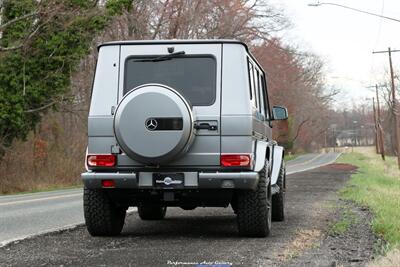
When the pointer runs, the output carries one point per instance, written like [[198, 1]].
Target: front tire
[[151, 212], [102, 216], [254, 209]]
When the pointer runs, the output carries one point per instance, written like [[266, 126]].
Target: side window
[[257, 88], [265, 96]]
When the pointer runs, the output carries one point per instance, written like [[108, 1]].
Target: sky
[[345, 40]]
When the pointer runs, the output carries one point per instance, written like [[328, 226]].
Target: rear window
[[193, 77]]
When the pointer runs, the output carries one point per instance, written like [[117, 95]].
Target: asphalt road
[[27, 215], [209, 236], [310, 161]]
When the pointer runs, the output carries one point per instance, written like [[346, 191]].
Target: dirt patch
[[210, 235], [392, 259], [353, 245], [305, 239], [341, 167]]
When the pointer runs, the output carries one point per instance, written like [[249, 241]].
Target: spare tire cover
[[153, 124]]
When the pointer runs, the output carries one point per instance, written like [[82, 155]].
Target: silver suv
[[181, 123]]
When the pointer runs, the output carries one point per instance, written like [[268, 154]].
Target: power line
[[380, 24], [354, 9]]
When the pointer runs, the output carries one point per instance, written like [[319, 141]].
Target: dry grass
[[50, 159], [304, 239], [389, 165], [392, 259]]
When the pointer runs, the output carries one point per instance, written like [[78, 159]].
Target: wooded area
[[47, 60]]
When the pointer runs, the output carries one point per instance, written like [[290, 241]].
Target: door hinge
[[115, 149]]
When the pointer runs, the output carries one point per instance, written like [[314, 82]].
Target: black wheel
[[102, 216], [151, 212], [254, 209], [278, 199]]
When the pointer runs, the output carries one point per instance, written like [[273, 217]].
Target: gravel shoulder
[[210, 235]]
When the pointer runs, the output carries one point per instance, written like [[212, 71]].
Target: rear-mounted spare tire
[[153, 124]]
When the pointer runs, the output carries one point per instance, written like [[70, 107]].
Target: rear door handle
[[206, 126]]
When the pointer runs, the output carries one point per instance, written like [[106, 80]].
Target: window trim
[[250, 59], [257, 77], [215, 77], [268, 109], [249, 66]]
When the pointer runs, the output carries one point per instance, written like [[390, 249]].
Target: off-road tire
[[254, 209], [151, 212], [278, 199], [102, 216]]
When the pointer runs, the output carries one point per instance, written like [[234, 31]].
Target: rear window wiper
[[161, 58]]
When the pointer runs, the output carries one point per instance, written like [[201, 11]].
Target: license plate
[[168, 180]]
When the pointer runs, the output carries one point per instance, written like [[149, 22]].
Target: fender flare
[[261, 153], [277, 158]]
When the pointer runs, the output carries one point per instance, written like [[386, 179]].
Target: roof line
[[183, 41], [173, 41]]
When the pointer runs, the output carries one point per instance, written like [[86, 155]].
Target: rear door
[[196, 75]]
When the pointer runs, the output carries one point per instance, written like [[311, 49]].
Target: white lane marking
[[52, 230], [315, 166], [131, 210], [38, 199]]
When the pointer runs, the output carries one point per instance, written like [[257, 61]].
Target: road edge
[[50, 231], [73, 226]]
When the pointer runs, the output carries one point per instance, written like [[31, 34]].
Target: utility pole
[[394, 101], [376, 128], [380, 129]]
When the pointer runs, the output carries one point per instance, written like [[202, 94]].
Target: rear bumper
[[193, 180]]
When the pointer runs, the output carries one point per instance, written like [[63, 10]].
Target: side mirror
[[279, 113]]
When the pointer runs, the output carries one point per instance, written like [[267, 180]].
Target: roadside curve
[[26, 215]]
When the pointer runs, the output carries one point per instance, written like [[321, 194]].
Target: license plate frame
[[169, 180]]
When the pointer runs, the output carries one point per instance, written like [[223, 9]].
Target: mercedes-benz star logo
[[151, 124]]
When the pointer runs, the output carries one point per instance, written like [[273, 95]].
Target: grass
[[376, 185], [347, 219]]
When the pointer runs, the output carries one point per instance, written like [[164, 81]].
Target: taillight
[[101, 160], [235, 160]]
